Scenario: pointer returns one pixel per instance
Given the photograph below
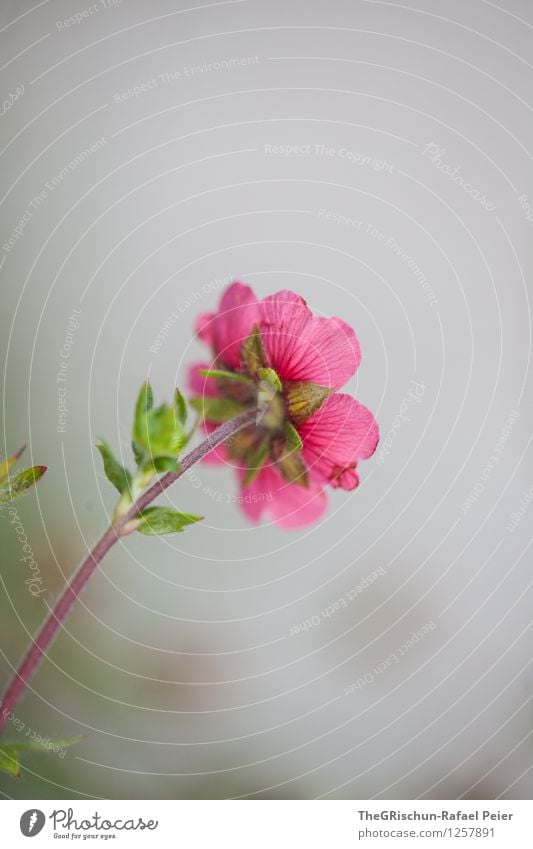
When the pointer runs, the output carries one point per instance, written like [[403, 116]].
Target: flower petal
[[200, 385], [339, 434], [204, 327], [233, 323], [289, 504], [300, 347], [282, 319]]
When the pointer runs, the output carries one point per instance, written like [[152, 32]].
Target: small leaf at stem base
[[162, 520]]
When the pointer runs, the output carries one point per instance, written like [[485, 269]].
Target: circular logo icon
[[32, 822]]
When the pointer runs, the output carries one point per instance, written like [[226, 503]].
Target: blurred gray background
[[374, 157]]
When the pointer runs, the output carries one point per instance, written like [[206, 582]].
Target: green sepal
[[9, 752], [289, 463], [19, 485], [7, 464], [162, 520], [255, 460], [270, 375], [222, 374], [216, 409], [292, 436], [114, 472], [253, 355], [303, 399]]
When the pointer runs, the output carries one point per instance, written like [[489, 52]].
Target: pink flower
[[275, 355]]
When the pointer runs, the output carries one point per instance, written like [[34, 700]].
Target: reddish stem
[[48, 630]]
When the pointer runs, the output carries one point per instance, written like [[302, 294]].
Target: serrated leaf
[[292, 436], [162, 520], [181, 406], [253, 355], [157, 432], [216, 409], [7, 464], [19, 485], [271, 377], [9, 760], [115, 473], [303, 399]]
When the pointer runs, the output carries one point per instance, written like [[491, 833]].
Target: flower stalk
[[122, 525]]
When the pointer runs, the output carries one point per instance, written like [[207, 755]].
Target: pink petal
[[300, 347], [339, 434], [290, 505], [232, 325], [204, 327], [201, 385], [283, 318]]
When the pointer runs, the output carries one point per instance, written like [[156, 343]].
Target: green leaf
[[303, 399], [145, 399], [117, 474], [9, 752], [166, 464], [47, 744], [253, 354], [19, 485], [181, 406], [161, 520], [222, 374], [293, 437], [6, 465], [144, 403], [270, 375], [216, 409], [9, 760], [157, 432]]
